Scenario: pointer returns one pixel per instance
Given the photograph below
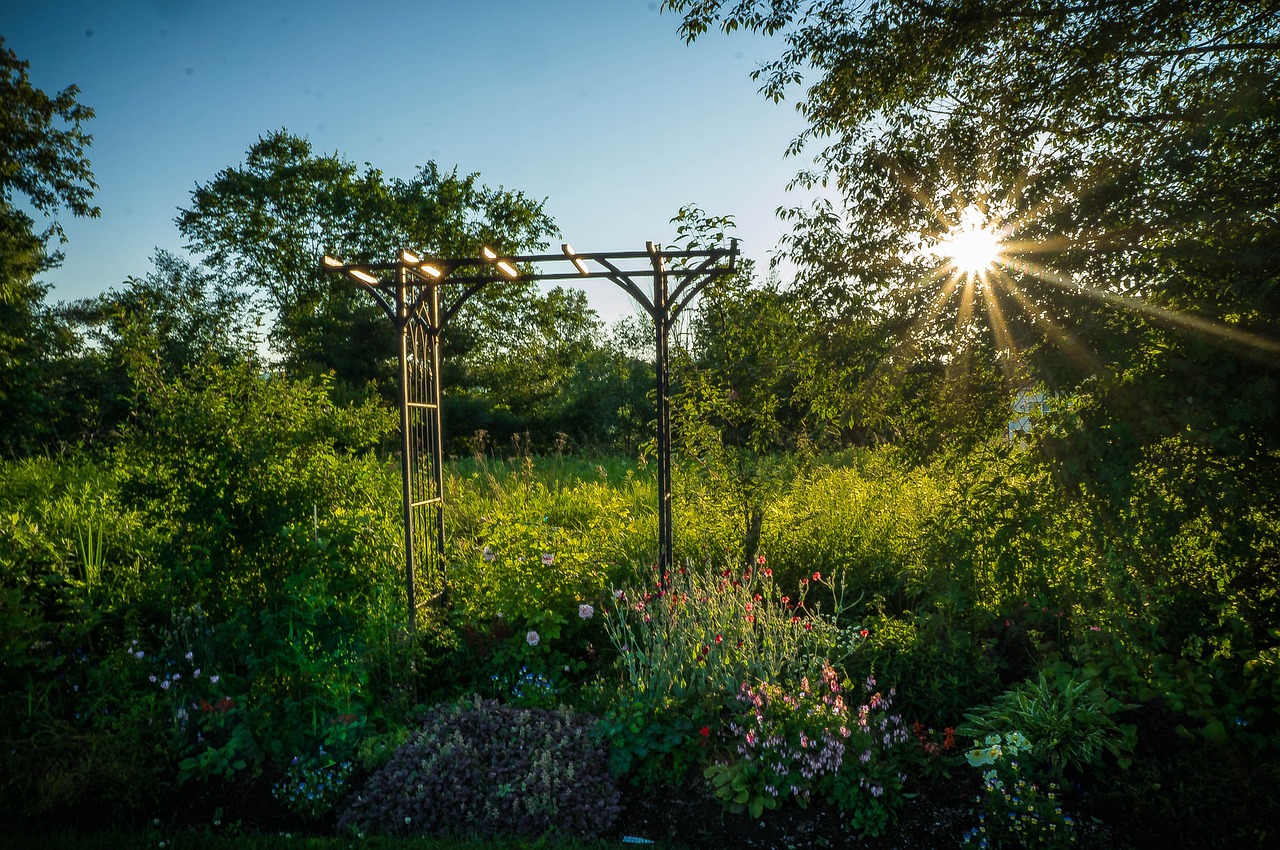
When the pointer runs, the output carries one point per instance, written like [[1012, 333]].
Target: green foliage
[[1068, 723], [1020, 814], [43, 162], [483, 769], [864, 522], [940, 666]]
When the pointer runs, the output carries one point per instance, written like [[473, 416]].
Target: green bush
[[483, 769], [1067, 720]]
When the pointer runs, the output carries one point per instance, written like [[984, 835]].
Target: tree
[[42, 160], [152, 329], [268, 221], [1126, 153]]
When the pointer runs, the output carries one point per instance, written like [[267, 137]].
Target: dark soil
[[936, 817], [693, 819]]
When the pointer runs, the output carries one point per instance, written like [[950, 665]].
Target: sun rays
[[988, 279]]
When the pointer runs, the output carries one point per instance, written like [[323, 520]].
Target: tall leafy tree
[[1124, 152], [267, 222], [44, 167]]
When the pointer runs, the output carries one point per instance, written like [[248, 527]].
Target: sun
[[972, 247]]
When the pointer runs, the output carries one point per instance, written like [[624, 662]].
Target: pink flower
[[586, 612]]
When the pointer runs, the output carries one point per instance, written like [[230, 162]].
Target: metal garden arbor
[[420, 296]]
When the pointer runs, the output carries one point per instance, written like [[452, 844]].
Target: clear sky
[[596, 105]]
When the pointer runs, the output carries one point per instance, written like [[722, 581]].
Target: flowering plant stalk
[[702, 631]]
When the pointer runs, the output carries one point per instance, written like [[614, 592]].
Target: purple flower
[[531, 638], [165, 684]]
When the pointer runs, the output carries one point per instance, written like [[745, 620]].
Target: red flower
[[863, 632], [760, 560], [817, 576], [719, 638], [706, 731]]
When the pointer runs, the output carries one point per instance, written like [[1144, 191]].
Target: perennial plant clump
[[484, 769], [820, 740], [686, 645]]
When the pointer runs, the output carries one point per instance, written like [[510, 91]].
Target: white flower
[[214, 678], [548, 559], [586, 612], [531, 638], [165, 684], [488, 554], [139, 654], [618, 594], [196, 673]]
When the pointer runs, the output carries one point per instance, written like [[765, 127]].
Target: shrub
[[484, 769], [934, 659]]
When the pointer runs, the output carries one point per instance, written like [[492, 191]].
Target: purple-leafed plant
[[479, 768]]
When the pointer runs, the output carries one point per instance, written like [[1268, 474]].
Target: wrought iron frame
[[411, 296]]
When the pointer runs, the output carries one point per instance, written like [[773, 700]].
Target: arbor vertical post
[[437, 433], [662, 318], [404, 331]]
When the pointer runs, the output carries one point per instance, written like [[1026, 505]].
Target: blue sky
[[596, 105]]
